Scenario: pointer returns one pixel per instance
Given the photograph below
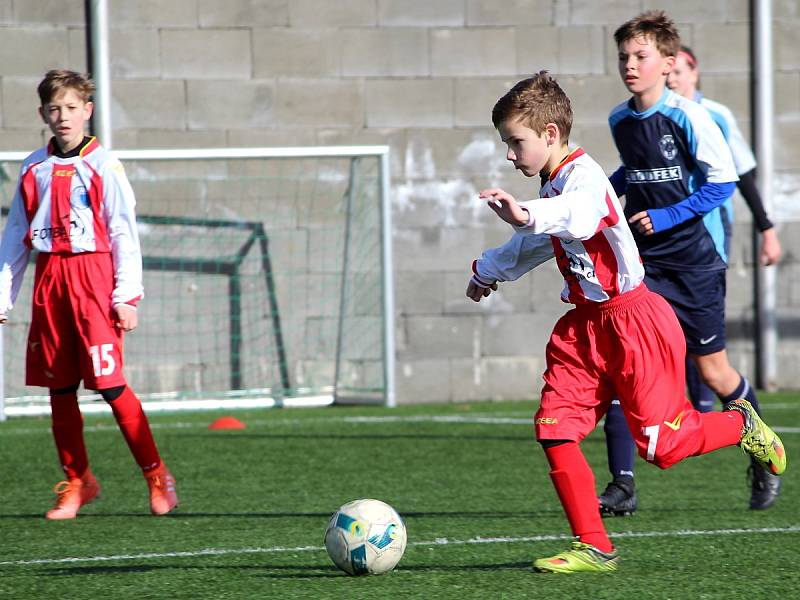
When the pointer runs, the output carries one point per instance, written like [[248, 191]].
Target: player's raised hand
[[642, 222], [127, 319], [505, 206]]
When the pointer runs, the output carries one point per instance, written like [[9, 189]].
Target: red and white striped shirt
[[579, 220], [72, 205]]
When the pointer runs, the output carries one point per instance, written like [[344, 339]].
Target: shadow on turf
[[283, 571], [360, 436]]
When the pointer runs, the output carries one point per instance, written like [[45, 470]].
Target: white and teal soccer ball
[[366, 537]]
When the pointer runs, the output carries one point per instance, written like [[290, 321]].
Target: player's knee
[[111, 394]]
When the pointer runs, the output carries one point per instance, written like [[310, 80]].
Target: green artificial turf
[[469, 480]]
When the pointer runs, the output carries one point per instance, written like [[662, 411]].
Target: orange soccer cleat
[[72, 494], [163, 497]]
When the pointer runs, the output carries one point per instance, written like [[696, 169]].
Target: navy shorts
[[698, 299]]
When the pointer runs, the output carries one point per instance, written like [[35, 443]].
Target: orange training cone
[[227, 423]]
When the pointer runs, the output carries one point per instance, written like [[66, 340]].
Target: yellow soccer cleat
[[758, 440], [581, 558]]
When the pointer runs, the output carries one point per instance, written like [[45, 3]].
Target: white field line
[[457, 419], [436, 542]]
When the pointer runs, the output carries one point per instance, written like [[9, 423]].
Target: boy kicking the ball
[[620, 340]]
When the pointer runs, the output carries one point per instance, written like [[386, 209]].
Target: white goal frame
[[381, 153]]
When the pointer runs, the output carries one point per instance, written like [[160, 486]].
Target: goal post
[[268, 281]]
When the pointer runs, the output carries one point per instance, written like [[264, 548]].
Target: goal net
[[267, 277]]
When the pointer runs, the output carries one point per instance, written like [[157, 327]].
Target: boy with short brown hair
[[74, 205], [677, 173], [619, 341]]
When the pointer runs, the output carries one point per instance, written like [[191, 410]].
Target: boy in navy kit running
[[677, 174], [619, 341], [74, 205]]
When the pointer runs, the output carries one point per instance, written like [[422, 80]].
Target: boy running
[[619, 341], [677, 176], [75, 207]]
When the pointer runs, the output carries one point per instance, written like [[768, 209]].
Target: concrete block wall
[[421, 76]]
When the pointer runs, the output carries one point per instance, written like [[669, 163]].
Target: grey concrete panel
[[423, 381], [173, 138], [516, 334], [211, 104], [7, 16], [32, 51], [312, 13], [473, 52], [20, 139], [296, 52], [475, 98], [434, 249], [76, 39], [234, 13], [409, 103], [384, 52], [47, 12], [538, 48], [206, 53], [263, 137], [148, 103], [512, 12], [153, 13], [613, 14], [21, 103], [421, 13], [135, 53], [688, 11], [419, 293], [319, 103], [516, 378], [709, 38], [440, 337], [593, 98]]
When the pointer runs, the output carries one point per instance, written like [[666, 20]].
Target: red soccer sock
[[136, 429], [574, 483], [720, 429], [67, 426]]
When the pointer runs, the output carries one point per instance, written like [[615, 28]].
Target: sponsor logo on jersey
[[667, 146], [79, 197], [675, 424], [653, 175], [63, 172], [547, 421]]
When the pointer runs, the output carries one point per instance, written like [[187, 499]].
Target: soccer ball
[[365, 536]]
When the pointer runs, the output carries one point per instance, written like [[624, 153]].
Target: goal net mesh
[[263, 278]]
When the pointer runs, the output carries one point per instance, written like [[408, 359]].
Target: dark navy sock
[[703, 397], [619, 442], [743, 390]]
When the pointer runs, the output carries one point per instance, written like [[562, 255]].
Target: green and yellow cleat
[[581, 558], [758, 440]]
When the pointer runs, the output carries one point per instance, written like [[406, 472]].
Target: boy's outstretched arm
[[505, 206]]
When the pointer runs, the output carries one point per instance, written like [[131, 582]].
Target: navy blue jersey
[[669, 152]]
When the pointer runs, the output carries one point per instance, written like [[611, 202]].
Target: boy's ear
[[552, 132], [41, 114], [89, 109], [669, 63]]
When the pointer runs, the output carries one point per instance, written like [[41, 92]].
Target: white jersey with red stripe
[[72, 205], [579, 220]]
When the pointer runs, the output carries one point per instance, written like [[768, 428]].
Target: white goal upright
[[267, 276]]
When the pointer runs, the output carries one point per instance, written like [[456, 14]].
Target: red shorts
[[631, 348], [73, 335]]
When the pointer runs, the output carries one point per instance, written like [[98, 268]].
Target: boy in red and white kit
[[619, 341], [74, 205]]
